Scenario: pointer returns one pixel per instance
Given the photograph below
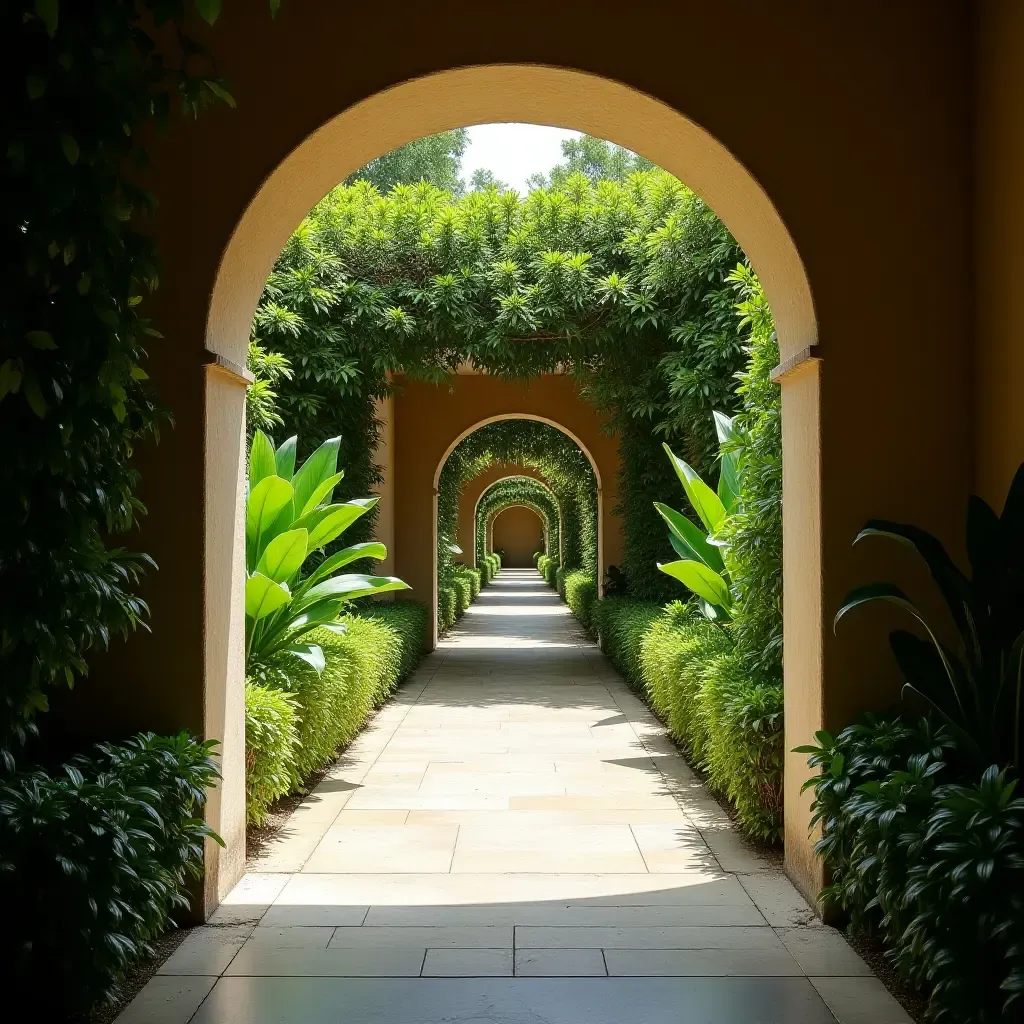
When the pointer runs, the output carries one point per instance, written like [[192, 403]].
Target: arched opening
[[608, 459], [517, 532], [603, 108], [481, 524]]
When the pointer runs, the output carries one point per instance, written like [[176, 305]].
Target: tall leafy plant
[[700, 565], [289, 516], [978, 687]]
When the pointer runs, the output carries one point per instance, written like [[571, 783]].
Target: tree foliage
[[597, 159], [436, 159], [577, 278]]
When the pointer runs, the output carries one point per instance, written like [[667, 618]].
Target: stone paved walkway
[[514, 839]]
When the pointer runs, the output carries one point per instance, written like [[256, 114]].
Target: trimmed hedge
[[447, 605], [620, 624], [581, 595], [463, 594], [560, 582], [380, 646], [271, 736], [728, 719], [475, 578], [548, 567], [94, 861]]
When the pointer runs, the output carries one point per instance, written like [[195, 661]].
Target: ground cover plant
[[922, 830]]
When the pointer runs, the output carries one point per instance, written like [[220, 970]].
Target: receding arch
[[537, 518], [498, 418], [517, 476]]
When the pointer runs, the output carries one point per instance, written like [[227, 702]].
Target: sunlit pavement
[[513, 839]]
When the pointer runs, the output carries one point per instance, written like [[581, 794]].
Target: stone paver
[[513, 838]]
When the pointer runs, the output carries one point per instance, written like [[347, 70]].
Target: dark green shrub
[[620, 624], [560, 581], [446, 608], [93, 863], [928, 860], [549, 567], [580, 594], [473, 578], [271, 737]]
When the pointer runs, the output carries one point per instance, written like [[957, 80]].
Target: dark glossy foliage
[[81, 81], [94, 861], [929, 855], [978, 688]]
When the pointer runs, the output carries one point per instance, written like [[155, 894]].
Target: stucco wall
[[518, 532]]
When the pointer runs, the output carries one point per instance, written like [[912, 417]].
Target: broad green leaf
[[349, 586], [265, 502], [704, 582], [705, 502], [326, 524], [311, 654], [261, 459], [728, 478], [694, 544], [41, 339], [283, 556], [370, 549], [322, 493], [284, 458], [322, 464], [34, 395], [209, 10], [10, 377], [263, 596]]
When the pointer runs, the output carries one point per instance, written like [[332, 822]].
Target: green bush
[[271, 736], [94, 861], [560, 581], [580, 594], [929, 858], [446, 608], [742, 714], [620, 624], [408, 621], [463, 595], [675, 653], [548, 566], [473, 578]]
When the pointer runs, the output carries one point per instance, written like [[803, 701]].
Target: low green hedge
[[475, 578], [271, 737], [408, 620], [93, 861], [928, 857], [447, 605], [560, 582], [620, 624], [581, 594], [548, 568], [728, 720], [463, 594], [379, 647]]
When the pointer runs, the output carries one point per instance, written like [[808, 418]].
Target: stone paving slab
[[515, 838]]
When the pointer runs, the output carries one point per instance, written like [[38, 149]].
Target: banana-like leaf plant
[[289, 516], [700, 566], [978, 688]]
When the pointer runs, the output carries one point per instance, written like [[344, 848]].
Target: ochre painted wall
[[999, 246], [856, 125], [517, 532]]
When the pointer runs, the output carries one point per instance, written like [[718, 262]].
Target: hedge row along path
[[514, 838]]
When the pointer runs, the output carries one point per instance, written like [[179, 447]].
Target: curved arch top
[[498, 418], [533, 93], [512, 476]]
